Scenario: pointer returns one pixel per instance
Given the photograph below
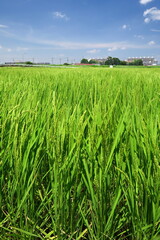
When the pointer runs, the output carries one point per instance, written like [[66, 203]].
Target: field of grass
[[79, 154]]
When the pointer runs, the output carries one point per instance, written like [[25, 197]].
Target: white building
[[147, 61]]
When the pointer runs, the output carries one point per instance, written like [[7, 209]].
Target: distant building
[[147, 61]]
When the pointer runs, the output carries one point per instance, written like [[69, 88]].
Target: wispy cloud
[[93, 51], [3, 26], [18, 49], [112, 49], [151, 14], [155, 30], [151, 43], [83, 45], [125, 27], [145, 1], [60, 15], [116, 48], [139, 36], [111, 46], [91, 47]]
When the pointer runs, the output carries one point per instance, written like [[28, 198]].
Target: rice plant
[[80, 154]]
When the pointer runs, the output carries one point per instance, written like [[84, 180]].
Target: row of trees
[[85, 61], [137, 62], [113, 61]]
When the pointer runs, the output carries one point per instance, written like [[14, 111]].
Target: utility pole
[[52, 60], [67, 60]]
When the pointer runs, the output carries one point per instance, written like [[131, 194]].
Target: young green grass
[[79, 154]]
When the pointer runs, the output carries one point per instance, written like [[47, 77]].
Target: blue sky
[[68, 30]]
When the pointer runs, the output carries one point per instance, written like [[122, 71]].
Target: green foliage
[[29, 63], [114, 61], [109, 61], [123, 63], [92, 61], [79, 154], [66, 64], [137, 62], [84, 60]]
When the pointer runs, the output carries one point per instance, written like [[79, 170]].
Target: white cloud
[[21, 49], [17, 49], [151, 43], [92, 51], [139, 36], [146, 20], [71, 45], [151, 14], [125, 26], [116, 48], [3, 26], [112, 49], [111, 46], [60, 15], [145, 1], [155, 30]]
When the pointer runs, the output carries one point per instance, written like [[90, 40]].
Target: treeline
[[113, 61]]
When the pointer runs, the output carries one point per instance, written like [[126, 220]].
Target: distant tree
[[123, 63], [116, 61], [92, 61], [109, 61], [28, 62], [66, 64], [84, 60], [112, 61], [136, 62]]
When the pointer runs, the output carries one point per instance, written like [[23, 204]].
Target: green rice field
[[79, 153]]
